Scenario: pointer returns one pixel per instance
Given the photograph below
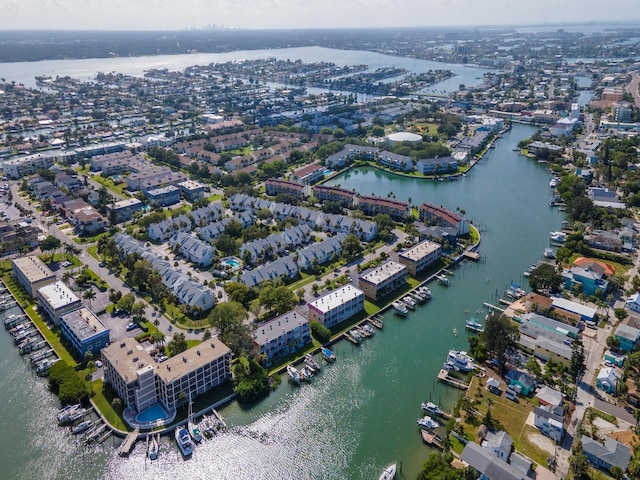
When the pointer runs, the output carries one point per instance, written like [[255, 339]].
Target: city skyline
[[287, 14]]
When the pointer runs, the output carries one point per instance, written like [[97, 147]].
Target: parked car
[[98, 363], [131, 326]]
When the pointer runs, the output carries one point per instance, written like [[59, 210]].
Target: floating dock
[[443, 376], [129, 442]]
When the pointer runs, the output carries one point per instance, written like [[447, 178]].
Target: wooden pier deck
[[431, 439], [493, 307], [444, 377], [475, 256], [129, 442]]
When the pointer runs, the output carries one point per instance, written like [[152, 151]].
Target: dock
[[431, 439], [220, 419], [443, 376], [129, 442], [475, 256], [493, 307], [504, 301]]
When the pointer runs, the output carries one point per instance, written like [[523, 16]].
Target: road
[[632, 88]]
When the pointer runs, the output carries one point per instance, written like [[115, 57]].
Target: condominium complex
[[84, 331], [383, 280], [420, 256], [56, 299], [337, 306], [282, 335], [31, 273], [141, 382]]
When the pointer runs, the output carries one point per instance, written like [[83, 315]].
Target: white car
[[98, 363], [608, 363]]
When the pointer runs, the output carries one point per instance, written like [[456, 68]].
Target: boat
[[66, 411], [455, 332], [153, 448], [554, 182], [427, 422], [418, 297], [72, 416], [434, 409], [327, 354], [43, 367], [81, 427], [184, 441], [310, 362], [442, 280], [549, 253], [424, 290], [474, 325], [355, 333], [377, 322], [351, 338], [388, 473], [409, 302], [400, 309], [194, 431], [293, 373], [461, 361], [558, 237], [306, 373], [368, 328]]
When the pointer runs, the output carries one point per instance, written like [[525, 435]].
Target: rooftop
[[32, 268], [336, 298], [383, 272], [58, 295], [83, 323], [421, 250], [272, 329]]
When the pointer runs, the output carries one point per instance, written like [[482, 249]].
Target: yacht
[[549, 253], [327, 354], [461, 361], [442, 280], [184, 441], [432, 408], [474, 325], [388, 473], [409, 302], [424, 290], [81, 427], [427, 422], [310, 362], [559, 237], [400, 309], [153, 448], [293, 373]]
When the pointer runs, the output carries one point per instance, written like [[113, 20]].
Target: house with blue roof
[[588, 280], [612, 453], [522, 381], [628, 335]]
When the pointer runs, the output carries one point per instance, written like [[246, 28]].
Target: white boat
[[81, 427], [424, 290], [409, 302], [549, 253], [192, 426], [293, 373], [474, 325], [461, 361], [184, 441], [153, 448], [442, 280], [400, 309], [310, 362], [327, 354], [455, 332], [553, 182], [432, 408], [66, 411], [388, 473], [559, 237], [427, 422]]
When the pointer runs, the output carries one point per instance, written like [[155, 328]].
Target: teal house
[[521, 381], [628, 337], [590, 280]]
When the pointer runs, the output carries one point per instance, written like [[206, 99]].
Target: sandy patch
[[603, 426], [545, 443]]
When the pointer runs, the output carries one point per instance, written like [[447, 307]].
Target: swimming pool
[[151, 414], [231, 261]]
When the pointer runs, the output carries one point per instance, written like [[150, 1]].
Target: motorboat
[[388, 473], [81, 427], [184, 441], [427, 422], [409, 302], [153, 448], [549, 253], [442, 280], [431, 408], [327, 354], [461, 360], [66, 411], [310, 362], [474, 325], [293, 373], [400, 309], [194, 431], [424, 290], [558, 237]]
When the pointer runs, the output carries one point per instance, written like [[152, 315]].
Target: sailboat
[[153, 448], [193, 428]]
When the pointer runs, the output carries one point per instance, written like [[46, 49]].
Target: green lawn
[[93, 251], [120, 188], [102, 398]]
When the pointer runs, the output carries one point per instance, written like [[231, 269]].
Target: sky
[[268, 14]]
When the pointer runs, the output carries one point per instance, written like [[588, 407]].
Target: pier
[[493, 307], [220, 419], [444, 377], [431, 439], [475, 256], [128, 443]]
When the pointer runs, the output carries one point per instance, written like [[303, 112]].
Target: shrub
[[320, 332]]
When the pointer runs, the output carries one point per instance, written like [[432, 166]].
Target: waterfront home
[[488, 465], [433, 215], [124, 209], [382, 280], [523, 383], [604, 456], [607, 379], [344, 197], [545, 344], [603, 197], [550, 421], [372, 205], [84, 331], [31, 273], [633, 302], [589, 281], [553, 326], [56, 299], [628, 334], [192, 249], [437, 166], [275, 186], [20, 167], [577, 310], [499, 444], [395, 161], [337, 306], [308, 174], [142, 382], [284, 268], [537, 146], [282, 336], [420, 256]]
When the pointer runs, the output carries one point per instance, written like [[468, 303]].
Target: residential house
[[282, 269], [282, 336], [603, 197], [562, 306], [499, 444], [548, 396], [607, 379], [628, 334], [588, 280], [521, 381], [550, 421], [192, 249], [321, 252], [161, 231], [612, 453], [488, 465], [615, 358]]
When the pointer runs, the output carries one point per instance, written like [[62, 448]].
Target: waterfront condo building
[[56, 299], [31, 273], [84, 331], [124, 209], [337, 306], [420, 256], [383, 280], [372, 205], [142, 382], [434, 215], [275, 186], [23, 166], [325, 193], [282, 335]]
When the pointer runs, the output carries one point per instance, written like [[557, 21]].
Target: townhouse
[[282, 336], [383, 280], [161, 231], [284, 268], [192, 249], [372, 205], [337, 306], [434, 215], [321, 252], [275, 186]]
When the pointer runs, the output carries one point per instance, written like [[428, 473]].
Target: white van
[[511, 394]]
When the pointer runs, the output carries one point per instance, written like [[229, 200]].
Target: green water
[[360, 413]]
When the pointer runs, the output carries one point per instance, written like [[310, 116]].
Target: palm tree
[[89, 294]]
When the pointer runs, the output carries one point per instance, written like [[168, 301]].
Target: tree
[[577, 364], [620, 314], [126, 302], [238, 292], [320, 332], [545, 278], [89, 294], [226, 244], [228, 319], [533, 367], [116, 403], [613, 343], [137, 309], [250, 379], [500, 337], [616, 472], [277, 299], [178, 344], [351, 247], [50, 244], [207, 335]]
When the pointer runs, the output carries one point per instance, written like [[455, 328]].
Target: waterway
[[360, 413]]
